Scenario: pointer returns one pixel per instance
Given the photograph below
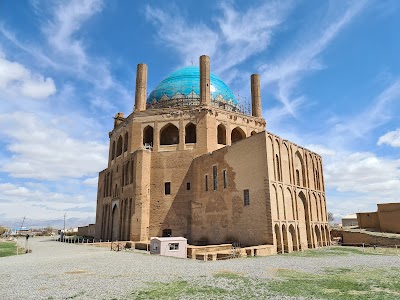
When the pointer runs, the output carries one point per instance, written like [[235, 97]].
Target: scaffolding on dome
[[184, 97]]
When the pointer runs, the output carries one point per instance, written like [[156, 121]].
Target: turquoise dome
[[184, 85]]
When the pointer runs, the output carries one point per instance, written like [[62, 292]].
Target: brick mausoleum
[[190, 161]]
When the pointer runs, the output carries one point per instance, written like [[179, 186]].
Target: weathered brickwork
[[211, 175]]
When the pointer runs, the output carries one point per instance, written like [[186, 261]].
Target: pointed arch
[[278, 168], [148, 133], [274, 199], [169, 135], [278, 239], [190, 133], [110, 184], [113, 151], [290, 204], [253, 132], [299, 169], [119, 146], [318, 236], [285, 239], [221, 134], [285, 164], [115, 224], [293, 234], [126, 142], [304, 217], [237, 135]]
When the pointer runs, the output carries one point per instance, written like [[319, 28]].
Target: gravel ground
[[69, 271]]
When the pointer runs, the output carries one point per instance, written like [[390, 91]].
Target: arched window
[[148, 136], [190, 133], [278, 168], [237, 135], [119, 146], [221, 134], [113, 151], [169, 135], [253, 132], [126, 142]]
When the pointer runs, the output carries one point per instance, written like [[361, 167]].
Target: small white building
[[349, 220], [169, 246]]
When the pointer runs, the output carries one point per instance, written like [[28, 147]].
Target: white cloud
[[65, 50], [39, 204], [17, 79], [42, 151], [374, 116], [321, 149], [190, 41], [91, 181], [68, 18], [240, 34], [364, 173], [391, 138], [283, 76]]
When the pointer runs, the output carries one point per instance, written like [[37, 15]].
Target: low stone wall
[[351, 237]]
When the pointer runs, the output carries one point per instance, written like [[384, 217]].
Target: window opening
[[188, 186], [237, 135], [169, 135], [167, 232], [167, 188], [215, 177], [119, 146], [206, 179], [225, 175], [246, 197], [221, 134], [278, 169], [190, 133], [126, 142], [148, 137], [173, 246]]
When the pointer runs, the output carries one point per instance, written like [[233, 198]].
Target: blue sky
[[330, 82]]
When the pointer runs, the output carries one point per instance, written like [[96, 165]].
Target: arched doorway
[[115, 223], [237, 135]]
